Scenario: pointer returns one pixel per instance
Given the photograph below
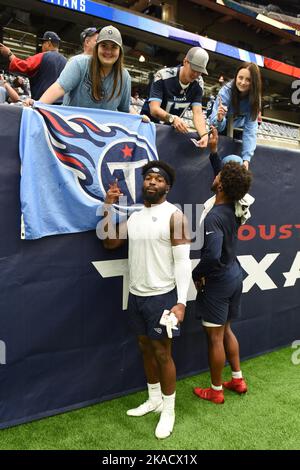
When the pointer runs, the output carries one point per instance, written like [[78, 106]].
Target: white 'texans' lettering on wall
[[256, 271]]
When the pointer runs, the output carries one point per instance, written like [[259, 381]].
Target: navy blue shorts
[[144, 314], [219, 302]]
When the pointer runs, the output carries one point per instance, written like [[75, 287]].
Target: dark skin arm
[[213, 140], [113, 242], [213, 144]]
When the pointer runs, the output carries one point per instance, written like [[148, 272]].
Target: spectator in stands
[[136, 103], [43, 69], [88, 39], [21, 86], [217, 86], [218, 276], [240, 100], [212, 97], [97, 81], [210, 105], [7, 93], [175, 89]]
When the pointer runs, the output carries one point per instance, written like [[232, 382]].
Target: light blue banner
[[70, 156]]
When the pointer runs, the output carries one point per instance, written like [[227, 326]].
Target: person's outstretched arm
[[52, 94], [220, 108], [200, 125], [113, 236], [214, 157], [11, 93], [27, 66], [249, 139]]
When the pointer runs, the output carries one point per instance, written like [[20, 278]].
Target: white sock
[[216, 387], [237, 374], [169, 403], [154, 392]]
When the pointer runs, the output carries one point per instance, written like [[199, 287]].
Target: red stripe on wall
[[282, 68]]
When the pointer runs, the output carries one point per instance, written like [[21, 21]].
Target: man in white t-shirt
[[159, 278]]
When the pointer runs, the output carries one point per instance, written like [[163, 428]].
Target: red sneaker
[[216, 396], [236, 385]]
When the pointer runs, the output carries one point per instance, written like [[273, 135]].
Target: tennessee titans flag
[[70, 156]]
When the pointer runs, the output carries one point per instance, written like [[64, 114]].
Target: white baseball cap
[[198, 58], [110, 33]]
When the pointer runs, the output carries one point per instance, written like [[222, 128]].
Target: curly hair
[[235, 180], [160, 164]]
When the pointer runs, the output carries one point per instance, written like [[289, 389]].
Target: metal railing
[[262, 134]]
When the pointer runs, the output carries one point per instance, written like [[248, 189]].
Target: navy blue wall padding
[[64, 337]]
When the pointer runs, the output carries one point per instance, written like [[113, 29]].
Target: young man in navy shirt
[[175, 89], [218, 276]]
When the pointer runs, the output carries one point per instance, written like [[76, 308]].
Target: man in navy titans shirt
[[175, 89]]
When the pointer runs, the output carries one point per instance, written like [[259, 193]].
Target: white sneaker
[[165, 425], [145, 408]]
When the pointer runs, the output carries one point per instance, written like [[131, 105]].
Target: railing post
[[230, 127]]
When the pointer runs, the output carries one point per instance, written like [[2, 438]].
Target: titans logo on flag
[[69, 158], [98, 154]]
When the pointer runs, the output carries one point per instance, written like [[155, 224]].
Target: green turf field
[[268, 417]]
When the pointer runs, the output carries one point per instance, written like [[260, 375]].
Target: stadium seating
[[281, 132]]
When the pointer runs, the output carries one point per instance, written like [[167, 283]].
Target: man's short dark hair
[[160, 164], [236, 180]]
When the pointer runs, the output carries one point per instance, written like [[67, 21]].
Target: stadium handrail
[[231, 129]]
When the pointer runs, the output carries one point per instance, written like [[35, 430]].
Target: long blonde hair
[[96, 78]]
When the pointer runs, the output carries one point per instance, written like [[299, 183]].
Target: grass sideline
[[265, 418]]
